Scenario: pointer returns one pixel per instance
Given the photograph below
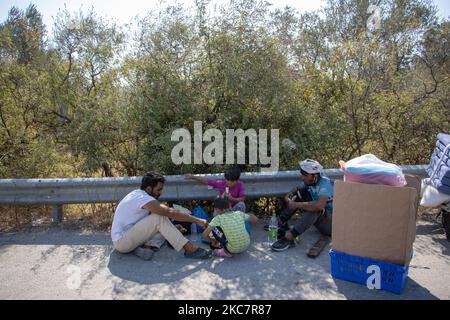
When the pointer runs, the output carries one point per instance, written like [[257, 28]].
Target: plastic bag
[[371, 170], [182, 209], [200, 213], [439, 168], [431, 197]]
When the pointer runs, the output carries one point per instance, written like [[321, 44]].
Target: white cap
[[311, 166]]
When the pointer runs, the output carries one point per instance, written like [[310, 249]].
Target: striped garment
[[233, 226]]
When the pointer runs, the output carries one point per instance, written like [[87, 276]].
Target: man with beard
[[142, 224]]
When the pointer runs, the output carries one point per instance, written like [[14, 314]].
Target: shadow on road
[[255, 274], [411, 291], [437, 234], [258, 273]]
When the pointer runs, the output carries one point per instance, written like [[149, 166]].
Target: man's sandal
[[317, 248]]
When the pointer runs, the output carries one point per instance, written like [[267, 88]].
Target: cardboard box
[[416, 183], [375, 221]]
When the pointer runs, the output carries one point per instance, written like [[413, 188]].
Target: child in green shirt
[[227, 231]]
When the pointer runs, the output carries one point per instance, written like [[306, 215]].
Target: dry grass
[[98, 217], [428, 214], [78, 216], [13, 218]]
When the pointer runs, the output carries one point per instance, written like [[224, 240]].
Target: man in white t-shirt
[[141, 223]]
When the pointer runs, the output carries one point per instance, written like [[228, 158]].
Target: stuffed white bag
[[431, 197]]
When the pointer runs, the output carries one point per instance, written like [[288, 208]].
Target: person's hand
[[292, 195], [289, 195], [188, 176], [292, 204], [227, 195], [181, 228], [204, 223]]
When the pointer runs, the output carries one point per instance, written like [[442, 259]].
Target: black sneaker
[[200, 253], [281, 234], [283, 244]]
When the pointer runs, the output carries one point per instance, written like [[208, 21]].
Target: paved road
[[65, 264]]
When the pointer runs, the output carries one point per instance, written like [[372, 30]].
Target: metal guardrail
[[103, 190]]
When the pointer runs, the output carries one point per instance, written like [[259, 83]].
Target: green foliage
[[83, 105]]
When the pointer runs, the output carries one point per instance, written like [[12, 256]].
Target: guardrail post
[[57, 213]]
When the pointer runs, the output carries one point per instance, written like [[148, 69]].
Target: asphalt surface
[[57, 263]]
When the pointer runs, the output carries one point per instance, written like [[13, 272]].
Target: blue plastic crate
[[353, 268]]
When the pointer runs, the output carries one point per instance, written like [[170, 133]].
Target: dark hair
[[233, 174], [151, 179], [221, 203], [303, 172]]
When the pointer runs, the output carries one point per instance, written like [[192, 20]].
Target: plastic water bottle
[[194, 233], [273, 229], [227, 190]]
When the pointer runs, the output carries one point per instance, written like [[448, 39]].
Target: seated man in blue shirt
[[315, 197]]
